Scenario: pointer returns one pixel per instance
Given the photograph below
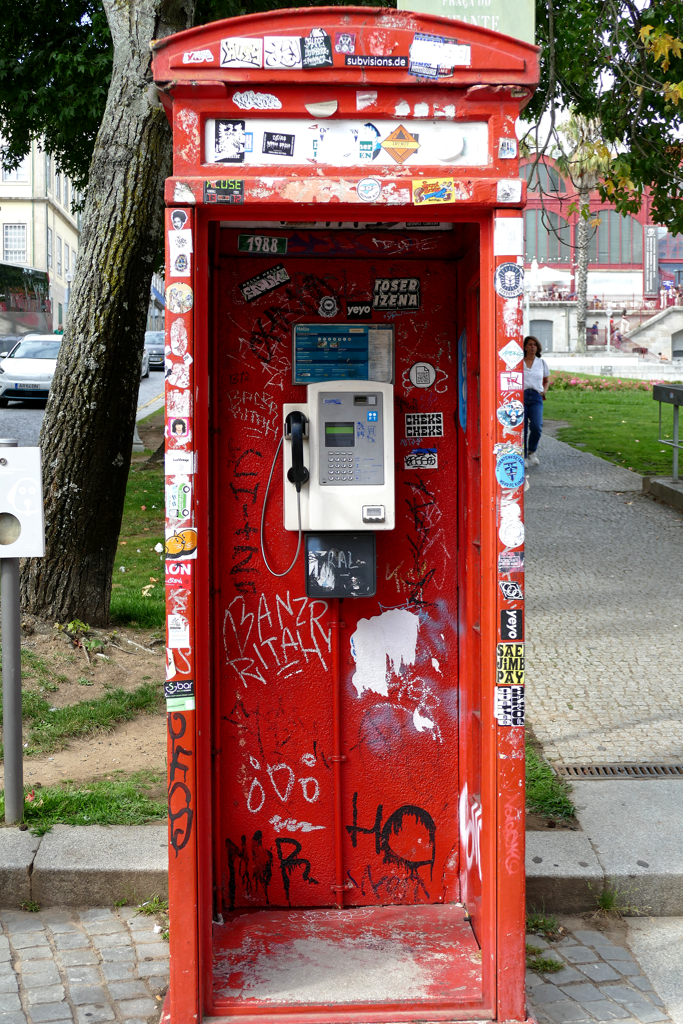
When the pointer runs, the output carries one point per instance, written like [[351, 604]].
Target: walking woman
[[536, 383]]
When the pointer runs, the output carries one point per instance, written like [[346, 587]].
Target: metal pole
[[11, 683], [675, 473]]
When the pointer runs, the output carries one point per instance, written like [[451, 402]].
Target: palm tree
[[582, 156]]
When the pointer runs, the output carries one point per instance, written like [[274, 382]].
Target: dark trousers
[[533, 420]]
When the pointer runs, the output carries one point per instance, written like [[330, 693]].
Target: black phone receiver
[[296, 426]]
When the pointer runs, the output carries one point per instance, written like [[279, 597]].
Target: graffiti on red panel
[[180, 809], [251, 865], [512, 833]]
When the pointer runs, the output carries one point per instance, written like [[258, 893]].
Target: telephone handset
[[296, 429]]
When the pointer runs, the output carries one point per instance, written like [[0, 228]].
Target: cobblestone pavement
[[86, 966], [600, 981], [604, 613]]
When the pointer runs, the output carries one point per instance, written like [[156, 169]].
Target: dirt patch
[[151, 430], [551, 427], [62, 674], [542, 823]]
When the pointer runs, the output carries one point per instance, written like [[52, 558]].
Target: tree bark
[[87, 433], [582, 267]]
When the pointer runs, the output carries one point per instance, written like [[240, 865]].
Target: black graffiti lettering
[[180, 836], [354, 829], [245, 490], [239, 549], [176, 752], [292, 861], [393, 826], [255, 868], [247, 451], [419, 503]]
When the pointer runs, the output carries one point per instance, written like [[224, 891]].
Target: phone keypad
[[340, 468]]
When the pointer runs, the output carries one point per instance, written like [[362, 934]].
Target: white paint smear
[[292, 825], [420, 722], [392, 635], [402, 109], [435, 665]]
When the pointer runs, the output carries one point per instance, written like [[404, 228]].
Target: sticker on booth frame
[[178, 575], [507, 448], [510, 471], [345, 42], [511, 354], [282, 53], [179, 688], [198, 57], [263, 283], [251, 100], [512, 624], [511, 414], [357, 60], [179, 500], [433, 191], [511, 590], [224, 190], [507, 149], [177, 632], [240, 52], [358, 309], [510, 664], [230, 141], [422, 375], [178, 463], [508, 706], [424, 424], [369, 190], [181, 543], [511, 381], [179, 298], [509, 191], [421, 458], [510, 561], [180, 704], [178, 403], [396, 293], [400, 144], [259, 245], [508, 281], [278, 144], [316, 49]]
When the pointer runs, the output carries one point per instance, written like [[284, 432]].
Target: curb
[[91, 865]]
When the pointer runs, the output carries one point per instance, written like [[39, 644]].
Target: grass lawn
[[619, 424], [545, 792], [137, 596], [126, 800]]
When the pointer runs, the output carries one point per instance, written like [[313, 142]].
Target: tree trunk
[[582, 236], [87, 433]]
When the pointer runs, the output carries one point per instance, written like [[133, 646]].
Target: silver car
[[26, 371], [154, 347]]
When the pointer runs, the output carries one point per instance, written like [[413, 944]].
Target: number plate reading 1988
[[262, 244]]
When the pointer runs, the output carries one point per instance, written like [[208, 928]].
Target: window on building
[[546, 176], [66, 258], [59, 256], [66, 192], [670, 246], [14, 243], [617, 239], [58, 185], [49, 248], [48, 172], [546, 237], [19, 173], [73, 261]]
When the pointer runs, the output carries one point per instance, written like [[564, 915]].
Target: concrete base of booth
[[336, 964]]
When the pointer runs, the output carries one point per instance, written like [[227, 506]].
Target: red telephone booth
[[344, 548]]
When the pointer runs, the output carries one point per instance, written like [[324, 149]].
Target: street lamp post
[[68, 277]]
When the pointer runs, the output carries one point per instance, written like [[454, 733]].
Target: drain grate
[[619, 771]]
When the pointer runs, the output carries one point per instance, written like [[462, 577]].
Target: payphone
[[349, 454]]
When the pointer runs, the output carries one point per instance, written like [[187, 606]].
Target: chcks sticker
[[511, 381], [510, 665], [421, 458], [511, 561], [424, 424], [511, 590], [509, 705], [511, 354], [512, 624], [264, 282]]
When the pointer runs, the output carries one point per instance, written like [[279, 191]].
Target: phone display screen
[[339, 435]]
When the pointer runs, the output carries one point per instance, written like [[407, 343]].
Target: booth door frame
[[498, 927]]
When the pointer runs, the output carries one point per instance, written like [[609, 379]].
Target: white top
[[533, 377]]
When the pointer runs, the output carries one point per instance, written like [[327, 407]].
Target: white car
[[26, 371]]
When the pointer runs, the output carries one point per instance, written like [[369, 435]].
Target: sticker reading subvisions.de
[[511, 590], [512, 624], [362, 61], [422, 375], [510, 664], [424, 424], [510, 470], [421, 458], [225, 190], [396, 293], [509, 705], [267, 281], [508, 280]]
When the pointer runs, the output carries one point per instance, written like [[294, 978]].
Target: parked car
[[144, 372], [27, 369], [154, 347]]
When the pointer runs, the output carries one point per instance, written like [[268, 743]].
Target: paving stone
[[24, 940], [548, 994], [94, 1014], [18, 1017], [36, 953], [113, 953], [626, 967], [35, 967], [5, 969], [8, 983], [616, 953], [127, 990], [590, 938], [160, 967], [9, 1001], [583, 992], [599, 972], [63, 927], [104, 927], [566, 1010], [49, 1012], [4, 941], [97, 914], [138, 922], [49, 976], [137, 1008], [580, 955], [116, 939], [605, 1009], [146, 951], [5, 956], [46, 994], [636, 1003], [76, 957], [83, 976], [158, 983], [137, 1020], [81, 995], [152, 936], [27, 923], [118, 971], [565, 976], [72, 940]]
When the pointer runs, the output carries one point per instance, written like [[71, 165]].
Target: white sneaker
[[533, 459]]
